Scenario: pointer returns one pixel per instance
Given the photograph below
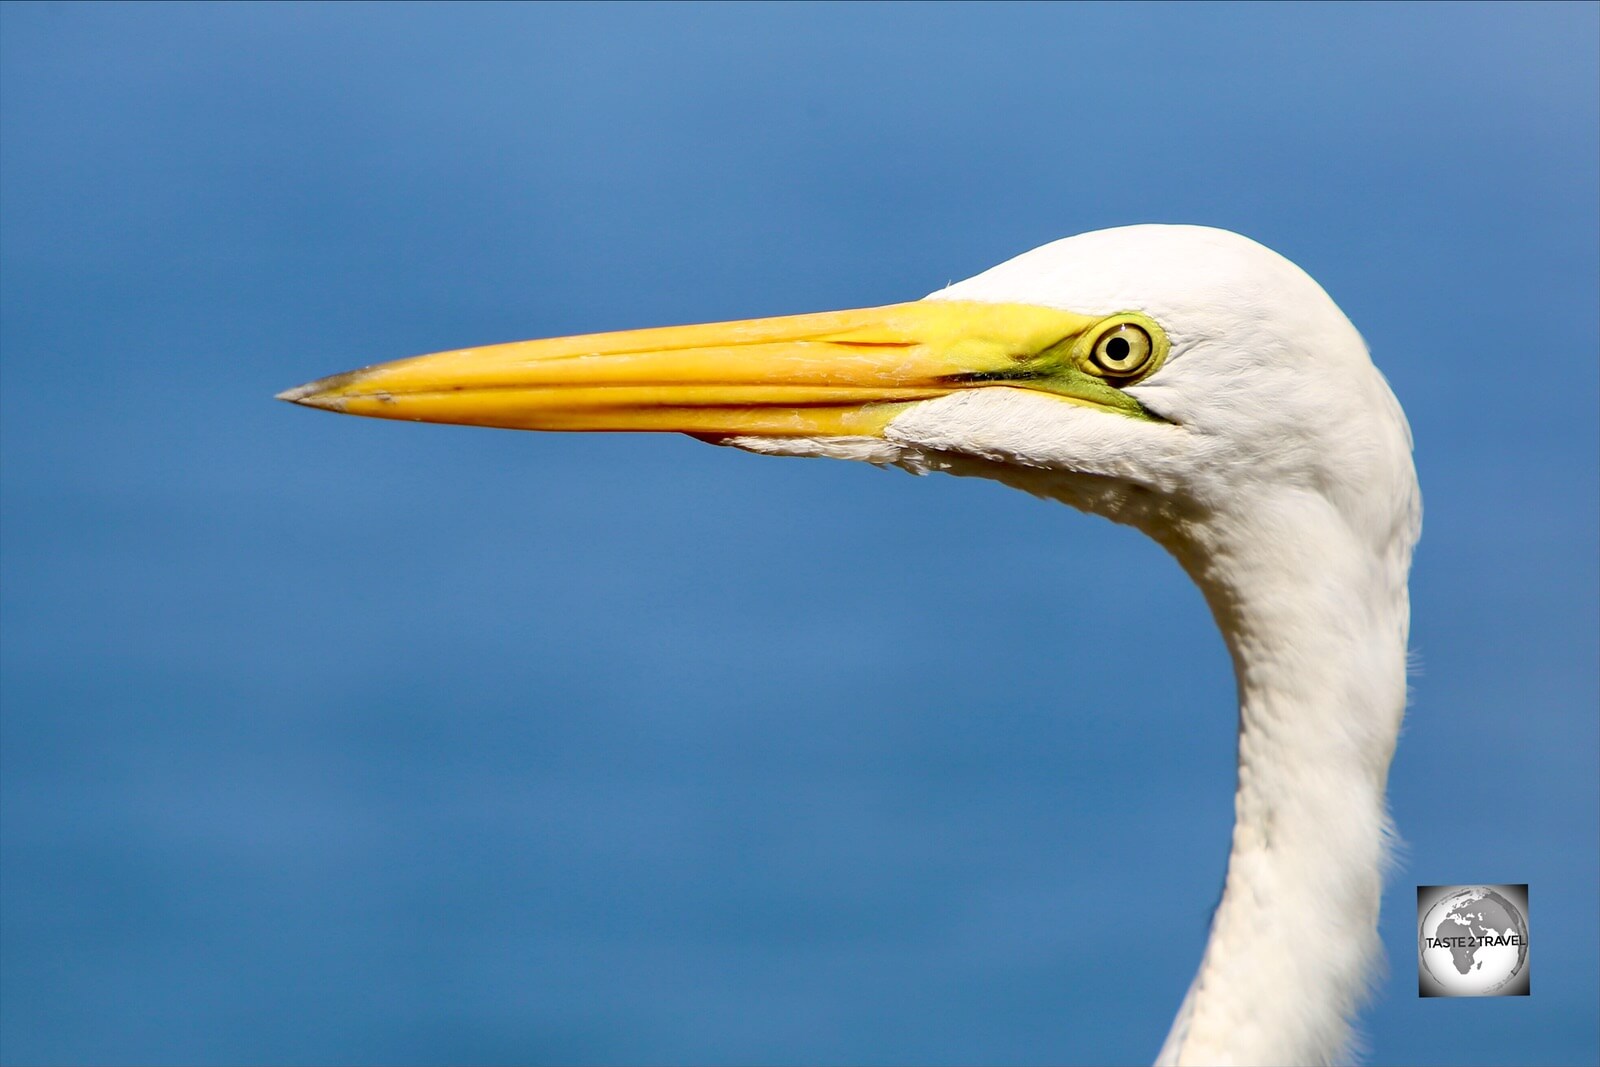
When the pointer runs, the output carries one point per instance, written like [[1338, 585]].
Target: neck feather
[[1316, 621]]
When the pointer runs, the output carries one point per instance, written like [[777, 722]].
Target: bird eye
[[1122, 351]]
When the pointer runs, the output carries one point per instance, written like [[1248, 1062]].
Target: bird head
[[1165, 376]]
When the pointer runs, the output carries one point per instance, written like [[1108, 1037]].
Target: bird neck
[[1316, 621]]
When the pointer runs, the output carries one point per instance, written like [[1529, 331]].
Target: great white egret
[[1179, 379]]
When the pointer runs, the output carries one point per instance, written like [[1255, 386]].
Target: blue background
[[335, 740]]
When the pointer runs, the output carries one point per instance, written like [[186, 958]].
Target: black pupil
[[1117, 349]]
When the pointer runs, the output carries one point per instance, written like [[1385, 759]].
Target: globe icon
[[1473, 942]]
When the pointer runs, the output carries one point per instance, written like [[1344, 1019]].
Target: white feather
[[1282, 481]]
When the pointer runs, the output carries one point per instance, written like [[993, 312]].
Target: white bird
[[1182, 380]]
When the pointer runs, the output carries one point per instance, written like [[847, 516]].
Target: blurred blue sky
[[335, 740]]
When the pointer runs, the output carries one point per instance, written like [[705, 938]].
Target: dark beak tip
[[310, 395], [315, 394]]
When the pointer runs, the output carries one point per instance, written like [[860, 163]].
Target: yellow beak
[[845, 373]]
